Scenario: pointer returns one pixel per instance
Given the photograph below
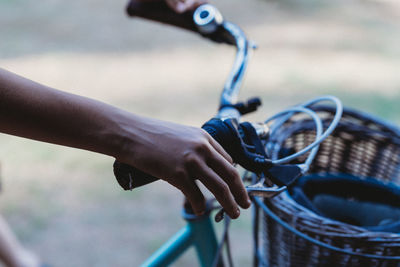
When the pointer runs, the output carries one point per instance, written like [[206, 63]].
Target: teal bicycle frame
[[198, 233]]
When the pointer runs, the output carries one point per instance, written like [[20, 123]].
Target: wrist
[[123, 135]]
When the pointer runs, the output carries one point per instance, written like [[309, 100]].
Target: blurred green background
[[65, 204]]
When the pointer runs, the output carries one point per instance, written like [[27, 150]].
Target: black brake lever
[[244, 146]]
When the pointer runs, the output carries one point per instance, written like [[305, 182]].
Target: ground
[[65, 204]]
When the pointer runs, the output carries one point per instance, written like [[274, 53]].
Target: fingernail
[[245, 203], [237, 213], [180, 7], [248, 203]]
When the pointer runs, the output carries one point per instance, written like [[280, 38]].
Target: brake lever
[[259, 189]]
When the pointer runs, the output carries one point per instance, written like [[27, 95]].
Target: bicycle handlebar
[[207, 21]]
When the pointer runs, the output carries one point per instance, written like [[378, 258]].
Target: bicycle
[[244, 141]]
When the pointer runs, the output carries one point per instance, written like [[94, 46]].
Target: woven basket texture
[[361, 145]]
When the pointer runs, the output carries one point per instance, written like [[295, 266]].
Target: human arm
[[175, 153]]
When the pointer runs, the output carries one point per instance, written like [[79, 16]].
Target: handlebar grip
[[129, 177], [160, 12]]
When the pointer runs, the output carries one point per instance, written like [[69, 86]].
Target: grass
[[65, 203]]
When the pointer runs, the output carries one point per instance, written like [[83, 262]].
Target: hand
[[179, 155]]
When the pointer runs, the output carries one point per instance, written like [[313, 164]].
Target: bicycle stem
[[209, 21], [232, 85]]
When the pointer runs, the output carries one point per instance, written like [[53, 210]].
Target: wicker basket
[[292, 235]]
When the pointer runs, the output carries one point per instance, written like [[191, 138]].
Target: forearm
[[176, 153], [34, 111]]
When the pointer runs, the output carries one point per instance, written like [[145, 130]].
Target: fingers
[[181, 6], [219, 148], [219, 189], [176, 5], [193, 194], [228, 173], [231, 177]]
